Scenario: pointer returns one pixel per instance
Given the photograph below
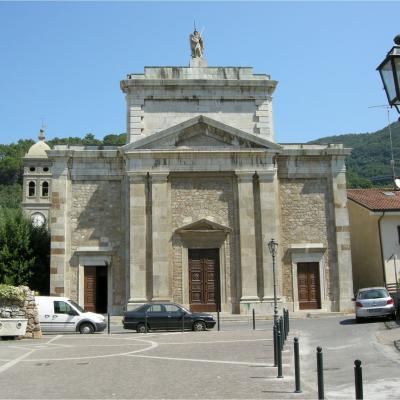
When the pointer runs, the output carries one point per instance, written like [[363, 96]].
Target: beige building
[[375, 236], [184, 211]]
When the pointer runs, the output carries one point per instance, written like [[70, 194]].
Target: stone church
[[184, 211]]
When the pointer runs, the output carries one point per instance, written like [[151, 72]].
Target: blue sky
[[62, 61]]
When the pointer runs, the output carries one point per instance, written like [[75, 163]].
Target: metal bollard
[[145, 323], [275, 333], [183, 322], [218, 327], [281, 331], [320, 372], [108, 323], [254, 320], [358, 380], [297, 365], [279, 354], [286, 323]]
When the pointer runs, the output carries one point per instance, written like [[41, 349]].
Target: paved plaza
[[164, 365], [235, 363]]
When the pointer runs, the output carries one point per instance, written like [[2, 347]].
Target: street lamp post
[[273, 248], [389, 70]]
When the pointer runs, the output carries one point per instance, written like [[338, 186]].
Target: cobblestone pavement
[[175, 365]]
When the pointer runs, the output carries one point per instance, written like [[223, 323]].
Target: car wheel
[[86, 328], [141, 328], [358, 320], [393, 316], [199, 326]]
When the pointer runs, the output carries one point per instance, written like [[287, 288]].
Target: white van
[[61, 314]]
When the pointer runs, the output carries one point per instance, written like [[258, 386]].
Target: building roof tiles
[[376, 199]]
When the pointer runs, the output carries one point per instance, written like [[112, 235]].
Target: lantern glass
[[273, 247], [386, 71], [397, 75]]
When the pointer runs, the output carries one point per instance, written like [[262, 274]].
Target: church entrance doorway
[[308, 285], [95, 289], [204, 280]]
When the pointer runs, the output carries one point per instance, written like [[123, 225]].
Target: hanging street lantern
[[389, 70]]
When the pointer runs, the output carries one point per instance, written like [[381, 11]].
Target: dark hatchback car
[[166, 316]]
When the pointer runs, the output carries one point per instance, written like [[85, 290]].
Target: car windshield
[[77, 306], [372, 294], [186, 310]]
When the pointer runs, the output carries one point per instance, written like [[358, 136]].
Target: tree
[[10, 196], [112, 139], [24, 251], [16, 254]]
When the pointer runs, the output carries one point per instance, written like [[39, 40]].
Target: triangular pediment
[[201, 133], [203, 225]]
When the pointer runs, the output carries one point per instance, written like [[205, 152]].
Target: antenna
[[43, 125]]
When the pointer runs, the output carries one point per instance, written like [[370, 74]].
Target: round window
[[32, 169], [46, 169]]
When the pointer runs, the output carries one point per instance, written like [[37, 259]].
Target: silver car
[[374, 302]]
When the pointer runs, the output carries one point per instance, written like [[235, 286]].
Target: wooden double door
[[204, 280], [308, 284], [95, 289]]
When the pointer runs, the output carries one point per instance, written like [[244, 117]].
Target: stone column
[[269, 226], [137, 243], [342, 228], [161, 235], [247, 237]]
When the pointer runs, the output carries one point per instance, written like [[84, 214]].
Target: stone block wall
[[194, 198], [27, 310], [305, 218], [96, 222]]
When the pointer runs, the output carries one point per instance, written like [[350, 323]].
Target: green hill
[[369, 162]]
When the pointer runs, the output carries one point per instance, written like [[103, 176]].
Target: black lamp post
[[273, 248], [389, 70]]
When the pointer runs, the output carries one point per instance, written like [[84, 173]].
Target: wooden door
[[308, 285], [204, 288], [90, 289]]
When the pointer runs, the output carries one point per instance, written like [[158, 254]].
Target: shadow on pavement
[[349, 321], [352, 321]]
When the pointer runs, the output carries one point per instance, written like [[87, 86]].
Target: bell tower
[[36, 190]]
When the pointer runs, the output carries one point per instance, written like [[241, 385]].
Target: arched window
[[45, 189], [32, 189]]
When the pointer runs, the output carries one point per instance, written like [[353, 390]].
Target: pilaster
[[60, 238], [269, 227], [247, 237], [344, 282], [137, 244], [161, 234]]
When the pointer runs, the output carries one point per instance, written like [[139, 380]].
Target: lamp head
[[273, 247]]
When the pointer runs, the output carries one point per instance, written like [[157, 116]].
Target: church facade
[[185, 210]]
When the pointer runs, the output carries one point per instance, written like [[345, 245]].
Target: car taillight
[[390, 301], [358, 304]]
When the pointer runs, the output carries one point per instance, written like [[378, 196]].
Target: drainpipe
[[380, 242]]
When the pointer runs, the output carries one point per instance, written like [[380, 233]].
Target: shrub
[[9, 294]]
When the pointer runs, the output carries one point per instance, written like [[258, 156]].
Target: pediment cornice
[[201, 133]]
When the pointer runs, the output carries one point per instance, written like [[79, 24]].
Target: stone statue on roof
[[196, 44]]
